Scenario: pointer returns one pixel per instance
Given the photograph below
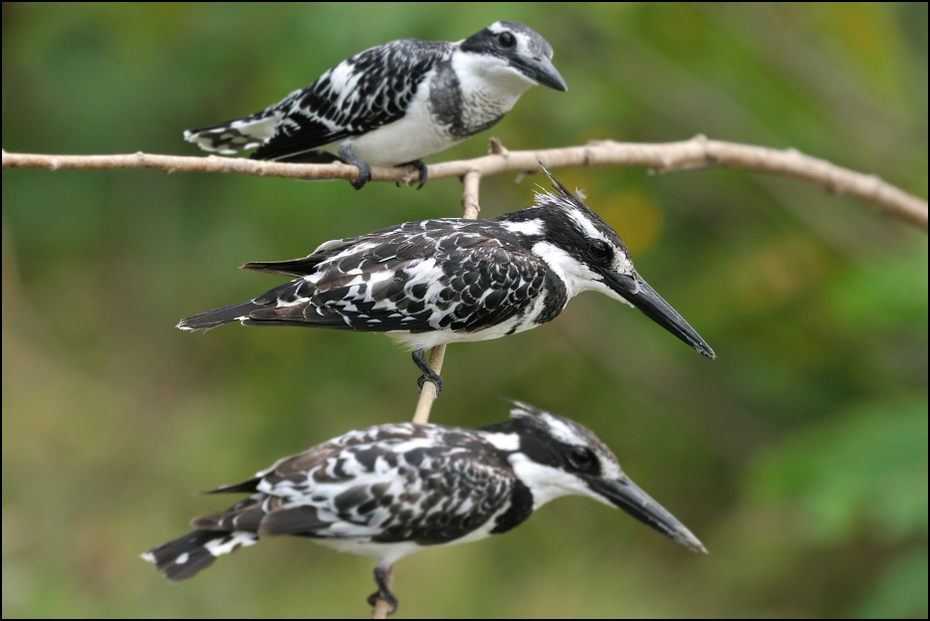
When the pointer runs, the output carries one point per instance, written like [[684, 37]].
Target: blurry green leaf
[[868, 464], [901, 591], [891, 291]]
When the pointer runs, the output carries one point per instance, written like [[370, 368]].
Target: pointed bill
[[542, 70], [628, 496], [637, 292]]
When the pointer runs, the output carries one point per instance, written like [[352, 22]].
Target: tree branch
[[428, 393], [699, 152]]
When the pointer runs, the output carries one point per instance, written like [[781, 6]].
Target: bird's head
[[589, 255], [559, 457], [511, 48]]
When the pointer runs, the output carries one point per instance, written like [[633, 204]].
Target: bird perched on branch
[[440, 281], [395, 103], [393, 490]]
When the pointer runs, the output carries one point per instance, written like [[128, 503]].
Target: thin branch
[[471, 182], [699, 152], [428, 393]]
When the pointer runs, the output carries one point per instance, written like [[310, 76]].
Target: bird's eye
[[506, 39], [599, 249], [582, 458]]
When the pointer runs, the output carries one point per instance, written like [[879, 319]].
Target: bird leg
[[382, 578], [419, 357], [364, 170], [421, 168]]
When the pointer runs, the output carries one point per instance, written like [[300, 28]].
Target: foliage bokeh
[[799, 456]]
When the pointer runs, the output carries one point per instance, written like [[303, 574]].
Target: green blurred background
[[799, 456]]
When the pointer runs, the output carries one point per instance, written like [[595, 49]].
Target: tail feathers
[[218, 316], [184, 557], [293, 154], [249, 486], [234, 136], [294, 267]]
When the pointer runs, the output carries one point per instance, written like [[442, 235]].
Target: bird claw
[[364, 170], [421, 170], [436, 379], [383, 579], [386, 596], [419, 357], [364, 175]]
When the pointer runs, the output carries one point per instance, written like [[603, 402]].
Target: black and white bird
[[395, 103], [393, 490], [447, 280]]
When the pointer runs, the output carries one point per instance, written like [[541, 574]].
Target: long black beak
[[637, 292], [540, 69], [629, 497]]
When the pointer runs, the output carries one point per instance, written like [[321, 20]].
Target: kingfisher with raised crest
[[393, 490], [447, 280]]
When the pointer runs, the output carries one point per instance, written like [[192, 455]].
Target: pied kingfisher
[[440, 281], [392, 490], [395, 103]]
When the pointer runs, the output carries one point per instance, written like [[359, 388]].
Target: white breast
[[413, 137]]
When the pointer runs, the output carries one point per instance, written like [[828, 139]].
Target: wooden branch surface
[[699, 152]]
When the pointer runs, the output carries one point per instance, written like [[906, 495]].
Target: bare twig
[[428, 393], [699, 152], [471, 182]]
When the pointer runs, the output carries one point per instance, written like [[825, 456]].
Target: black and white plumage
[[395, 103], [392, 490], [440, 281]]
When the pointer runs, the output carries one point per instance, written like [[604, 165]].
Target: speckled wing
[[420, 276], [393, 483], [360, 94]]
